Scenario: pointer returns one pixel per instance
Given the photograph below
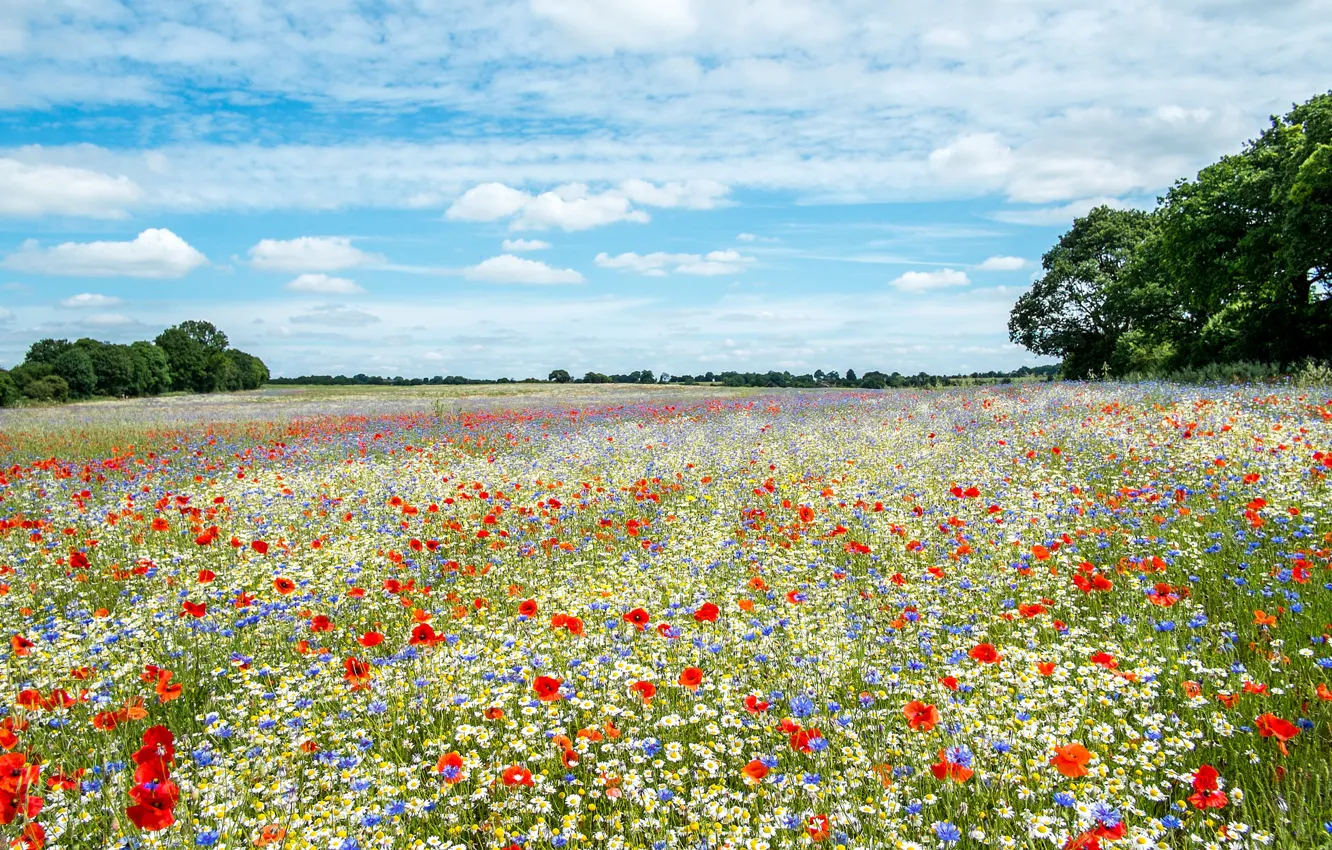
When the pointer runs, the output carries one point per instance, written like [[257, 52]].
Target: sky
[[505, 187]]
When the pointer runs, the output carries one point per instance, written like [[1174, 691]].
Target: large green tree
[[78, 372], [1246, 246], [1081, 306], [1235, 264], [151, 373]]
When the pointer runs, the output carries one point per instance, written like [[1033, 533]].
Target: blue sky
[[424, 187]]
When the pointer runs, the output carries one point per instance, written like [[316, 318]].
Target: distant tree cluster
[[1232, 266], [872, 380], [193, 356]]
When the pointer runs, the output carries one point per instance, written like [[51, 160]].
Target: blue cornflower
[[802, 706], [947, 832]]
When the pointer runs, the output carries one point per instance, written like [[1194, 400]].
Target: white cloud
[[5, 316], [89, 299], [154, 253], [322, 284], [1002, 264], [335, 315], [507, 268], [573, 206], [746, 237], [978, 157], [660, 263], [690, 194], [488, 202], [620, 24], [310, 254], [568, 207], [30, 190], [925, 281], [516, 246], [1057, 216]]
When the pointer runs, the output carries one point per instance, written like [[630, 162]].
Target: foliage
[[192, 357], [52, 387], [559, 376], [1232, 266], [9, 391]]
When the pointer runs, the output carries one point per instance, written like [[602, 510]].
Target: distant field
[[98, 427]]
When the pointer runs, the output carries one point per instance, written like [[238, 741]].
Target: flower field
[[1047, 616]]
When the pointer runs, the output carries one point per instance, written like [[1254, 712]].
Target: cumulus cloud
[[660, 263], [322, 284], [154, 253], [488, 202], [310, 254], [574, 206], [30, 190], [335, 315], [1002, 264], [89, 299], [926, 281], [516, 246], [507, 268]]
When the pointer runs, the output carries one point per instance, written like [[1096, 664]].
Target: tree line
[[193, 356], [1233, 266], [870, 380]]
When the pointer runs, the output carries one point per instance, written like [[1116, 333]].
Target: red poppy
[[547, 688], [1271, 726], [156, 756], [1104, 659], [691, 678], [284, 586], [755, 771], [645, 690], [370, 639], [817, 827], [1045, 668], [574, 626], [802, 740], [1207, 793], [1071, 760], [528, 608], [949, 682], [260, 546], [638, 617], [194, 609], [1040, 553], [945, 769], [985, 653], [21, 646], [517, 775], [153, 805], [32, 838], [450, 767], [707, 613], [754, 705], [321, 623], [357, 673], [423, 634], [920, 715]]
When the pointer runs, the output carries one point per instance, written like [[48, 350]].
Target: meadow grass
[[1027, 616]]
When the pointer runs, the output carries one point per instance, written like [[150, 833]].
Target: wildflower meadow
[[1038, 616]]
